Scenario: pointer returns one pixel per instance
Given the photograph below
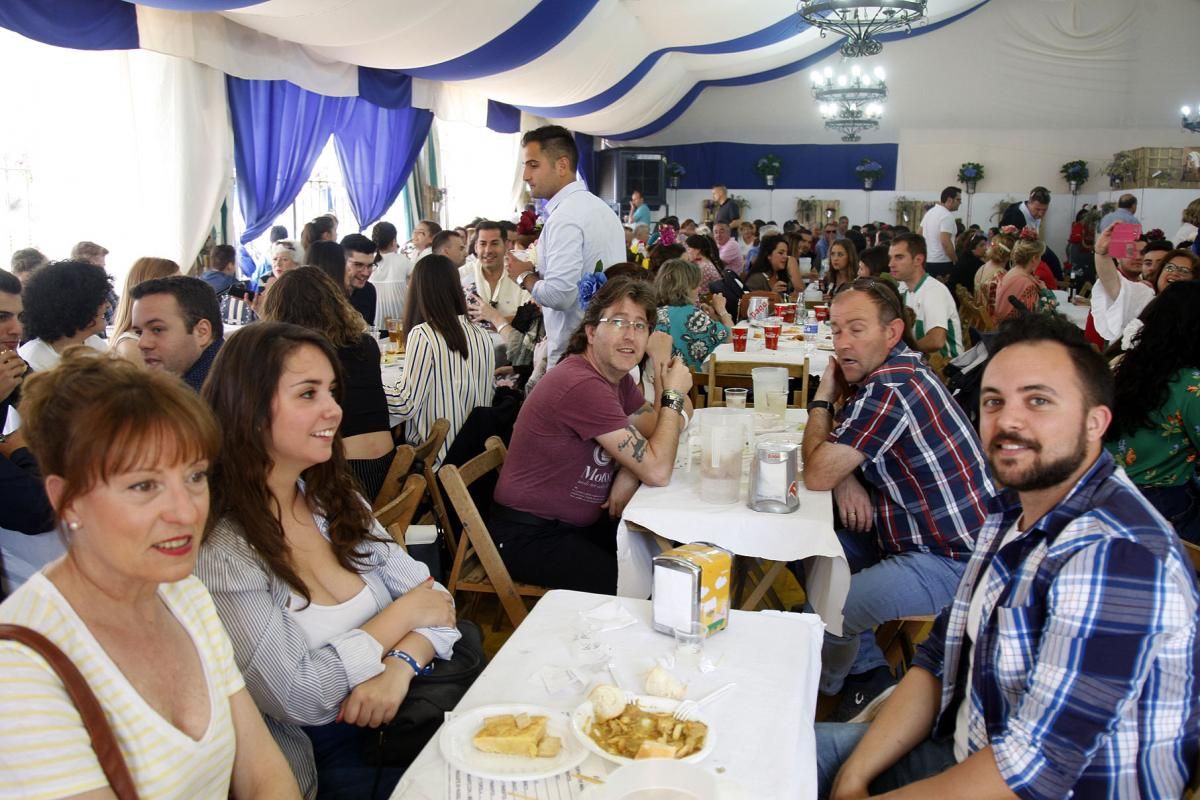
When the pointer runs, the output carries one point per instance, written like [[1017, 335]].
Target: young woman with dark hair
[[843, 264], [768, 272], [309, 298], [1155, 431], [450, 361], [330, 258], [702, 251], [65, 303], [322, 228], [330, 620]]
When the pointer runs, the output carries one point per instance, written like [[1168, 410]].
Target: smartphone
[[1124, 234]]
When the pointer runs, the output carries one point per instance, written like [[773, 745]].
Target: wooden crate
[[1172, 166]]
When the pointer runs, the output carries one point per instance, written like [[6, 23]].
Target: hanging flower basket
[[1076, 173], [868, 172], [769, 166], [970, 173]]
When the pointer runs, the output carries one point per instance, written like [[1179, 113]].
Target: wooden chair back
[[744, 303], [426, 452], [727, 374], [396, 515], [477, 565], [397, 473]]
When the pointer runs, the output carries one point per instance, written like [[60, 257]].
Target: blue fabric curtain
[[503, 118], [586, 145], [805, 166], [376, 148], [78, 24], [279, 130]]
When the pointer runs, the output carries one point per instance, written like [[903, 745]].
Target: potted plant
[[1076, 173], [675, 171], [1121, 169], [868, 171], [769, 166], [970, 173]]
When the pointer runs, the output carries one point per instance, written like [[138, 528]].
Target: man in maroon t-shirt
[[584, 440]]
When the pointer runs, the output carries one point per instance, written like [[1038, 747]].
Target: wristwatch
[[673, 400], [521, 279], [825, 404]]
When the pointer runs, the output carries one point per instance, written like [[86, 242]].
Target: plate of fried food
[[623, 732], [511, 742]]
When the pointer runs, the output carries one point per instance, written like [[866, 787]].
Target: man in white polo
[[937, 328], [939, 229]]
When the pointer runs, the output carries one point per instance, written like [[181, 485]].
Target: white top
[[41, 356], [320, 624], [974, 611], [390, 280], [1112, 314], [1186, 233], [580, 230], [934, 307], [45, 752], [937, 220], [506, 298]]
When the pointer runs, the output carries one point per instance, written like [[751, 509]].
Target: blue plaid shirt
[[1084, 678]]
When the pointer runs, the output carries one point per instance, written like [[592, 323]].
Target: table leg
[[756, 574], [764, 586]]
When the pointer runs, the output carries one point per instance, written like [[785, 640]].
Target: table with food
[[793, 343], [588, 700]]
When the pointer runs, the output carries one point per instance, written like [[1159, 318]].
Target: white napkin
[[557, 680], [609, 616]]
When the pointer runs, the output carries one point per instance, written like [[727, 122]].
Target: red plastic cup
[[822, 312], [771, 331], [739, 339], [787, 311]]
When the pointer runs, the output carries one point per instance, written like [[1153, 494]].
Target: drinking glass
[[689, 641], [777, 404], [736, 398]]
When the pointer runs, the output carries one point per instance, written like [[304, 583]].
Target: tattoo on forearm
[[646, 409], [635, 442]]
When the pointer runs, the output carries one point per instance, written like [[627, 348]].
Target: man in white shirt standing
[[937, 328], [938, 228], [580, 231]]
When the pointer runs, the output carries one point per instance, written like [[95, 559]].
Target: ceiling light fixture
[[861, 21], [850, 103]]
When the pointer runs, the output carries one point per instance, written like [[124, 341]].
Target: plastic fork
[[687, 710]]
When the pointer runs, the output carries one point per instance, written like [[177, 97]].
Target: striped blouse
[[292, 685], [45, 752], [441, 383]]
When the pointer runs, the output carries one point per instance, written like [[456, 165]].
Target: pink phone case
[[1123, 236]]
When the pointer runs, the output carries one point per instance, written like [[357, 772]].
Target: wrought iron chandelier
[[850, 103], [861, 21], [1191, 122]]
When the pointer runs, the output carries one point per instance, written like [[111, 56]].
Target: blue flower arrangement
[[869, 169], [970, 171], [590, 284]]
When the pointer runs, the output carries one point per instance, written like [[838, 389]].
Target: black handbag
[[429, 697]]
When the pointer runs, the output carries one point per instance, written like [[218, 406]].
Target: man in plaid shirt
[[904, 462], [1067, 663]]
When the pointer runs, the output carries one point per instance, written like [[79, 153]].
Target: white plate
[[657, 777], [455, 744], [581, 720]]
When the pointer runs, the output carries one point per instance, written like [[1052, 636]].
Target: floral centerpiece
[[590, 284], [769, 166], [970, 173], [1121, 169], [675, 171], [869, 171], [1076, 173]]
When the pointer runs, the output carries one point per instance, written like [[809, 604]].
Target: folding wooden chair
[[904, 633], [727, 374], [425, 453], [396, 515], [744, 303], [396, 475], [477, 566]]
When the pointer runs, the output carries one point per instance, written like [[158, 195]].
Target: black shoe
[[863, 695]]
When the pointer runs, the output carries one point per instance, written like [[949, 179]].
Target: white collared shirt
[[580, 230], [506, 298]]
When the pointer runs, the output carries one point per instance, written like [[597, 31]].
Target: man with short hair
[[727, 247], [687, 228], [422, 238], [1120, 293], [26, 261], [178, 323], [828, 236], [90, 252], [905, 465], [222, 271], [486, 281], [452, 245], [939, 229], [639, 212], [1153, 256], [937, 328], [843, 226], [1126, 211], [360, 263], [725, 207], [1030, 213], [12, 366], [581, 232], [583, 441], [1066, 664]]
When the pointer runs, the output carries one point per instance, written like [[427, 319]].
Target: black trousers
[[550, 553]]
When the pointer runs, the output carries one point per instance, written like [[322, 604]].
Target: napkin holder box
[[775, 476], [691, 584]]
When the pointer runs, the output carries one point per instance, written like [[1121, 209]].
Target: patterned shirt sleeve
[[872, 421]]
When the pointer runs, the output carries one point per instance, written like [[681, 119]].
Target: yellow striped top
[[45, 751]]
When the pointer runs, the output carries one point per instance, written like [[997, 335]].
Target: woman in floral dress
[[695, 329]]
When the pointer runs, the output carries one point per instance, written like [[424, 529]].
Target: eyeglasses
[[1182, 269], [621, 324]]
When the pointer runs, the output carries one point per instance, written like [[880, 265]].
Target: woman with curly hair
[[125, 340], [1020, 281], [695, 329], [309, 298], [65, 303], [702, 251], [329, 618], [988, 277], [1155, 430]]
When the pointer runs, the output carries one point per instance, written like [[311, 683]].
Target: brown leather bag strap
[[108, 752]]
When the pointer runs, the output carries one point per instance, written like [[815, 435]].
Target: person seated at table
[[1067, 663], [988, 277], [584, 441], [1155, 432], [125, 453], [843, 264], [1021, 282], [768, 272], [330, 619], [909, 479], [695, 329], [449, 361], [124, 342], [873, 263], [64, 305], [1118, 300], [309, 298], [360, 263], [701, 251], [179, 326]]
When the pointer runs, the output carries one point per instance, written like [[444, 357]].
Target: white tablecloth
[[392, 374], [678, 512], [765, 744], [1077, 314]]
